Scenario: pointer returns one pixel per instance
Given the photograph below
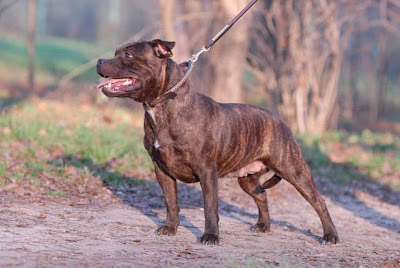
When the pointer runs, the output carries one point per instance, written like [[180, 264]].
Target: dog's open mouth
[[120, 85]]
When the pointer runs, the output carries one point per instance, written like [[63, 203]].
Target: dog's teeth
[[108, 85], [127, 83]]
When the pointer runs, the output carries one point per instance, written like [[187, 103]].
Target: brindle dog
[[192, 138]]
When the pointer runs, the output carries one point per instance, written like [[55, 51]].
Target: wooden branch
[[4, 5]]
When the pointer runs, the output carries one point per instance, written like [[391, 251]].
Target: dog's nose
[[100, 61]]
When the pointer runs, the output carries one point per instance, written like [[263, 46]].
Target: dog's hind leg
[[301, 178], [251, 185]]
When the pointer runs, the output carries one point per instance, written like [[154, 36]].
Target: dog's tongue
[[113, 82]]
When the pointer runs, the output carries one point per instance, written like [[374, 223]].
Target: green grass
[[37, 137], [90, 141], [3, 168], [375, 155], [57, 194], [54, 56]]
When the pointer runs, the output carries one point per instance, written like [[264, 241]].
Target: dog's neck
[[173, 75], [185, 95], [170, 75]]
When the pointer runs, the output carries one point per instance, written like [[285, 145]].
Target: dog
[[192, 138]]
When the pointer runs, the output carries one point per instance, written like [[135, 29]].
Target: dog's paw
[[260, 228], [331, 239], [209, 239], [166, 230]]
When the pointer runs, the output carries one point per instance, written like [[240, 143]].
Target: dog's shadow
[[146, 196]]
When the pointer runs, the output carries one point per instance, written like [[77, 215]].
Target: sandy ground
[[122, 233]]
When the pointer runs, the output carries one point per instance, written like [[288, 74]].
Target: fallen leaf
[[42, 217]]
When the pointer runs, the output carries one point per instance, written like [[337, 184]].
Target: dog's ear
[[162, 49]]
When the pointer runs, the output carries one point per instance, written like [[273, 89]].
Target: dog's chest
[[173, 161], [166, 149], [158, 129]]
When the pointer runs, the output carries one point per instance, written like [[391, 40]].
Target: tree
[[220, 72], [227, 58], [167, 17], [32, 8], [297, 51], [384, 27]]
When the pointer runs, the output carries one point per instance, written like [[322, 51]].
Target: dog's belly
[[174, 164], [249, 169]]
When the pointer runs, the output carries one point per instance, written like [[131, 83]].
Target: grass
[[57, 194], [3, 168], [55, 57], [342, 156], [83, 137], [49, 137]]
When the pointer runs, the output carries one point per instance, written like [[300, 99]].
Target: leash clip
[[196, 56]]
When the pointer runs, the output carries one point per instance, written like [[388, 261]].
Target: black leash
[[211, 42]]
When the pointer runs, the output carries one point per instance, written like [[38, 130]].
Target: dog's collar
[[170, 93], [165, 96]]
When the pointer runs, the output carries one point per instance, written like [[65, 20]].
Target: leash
[[189, 64], [215, 39]]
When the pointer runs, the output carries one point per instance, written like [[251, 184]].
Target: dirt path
[[49, 234]]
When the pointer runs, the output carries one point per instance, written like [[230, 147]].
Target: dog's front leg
[[168, 186], [209, 183]]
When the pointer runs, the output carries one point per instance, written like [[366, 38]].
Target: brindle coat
[[192, 138]]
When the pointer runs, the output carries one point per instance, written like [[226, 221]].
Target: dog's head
[[137, 70]]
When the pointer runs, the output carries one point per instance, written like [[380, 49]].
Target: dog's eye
[[128, 55]]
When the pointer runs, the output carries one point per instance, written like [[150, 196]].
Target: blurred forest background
[[329, 68], [319, 64]]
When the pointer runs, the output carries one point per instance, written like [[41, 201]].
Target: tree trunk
[[32, 7], [167, 17], [108, 22], [228, 56]]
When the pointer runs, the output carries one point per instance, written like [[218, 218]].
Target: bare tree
[[218, 74], [223, 71], [388, 23], [167, 16], [297, 52], [367, 62]]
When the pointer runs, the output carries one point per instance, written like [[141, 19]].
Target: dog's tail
[[271, 182]]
